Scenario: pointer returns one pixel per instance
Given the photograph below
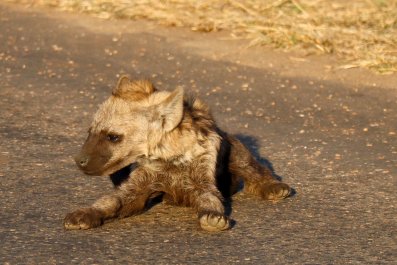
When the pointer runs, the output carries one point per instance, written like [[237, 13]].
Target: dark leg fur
[[258, 180]]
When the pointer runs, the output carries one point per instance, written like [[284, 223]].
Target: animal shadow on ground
[[250, 142]]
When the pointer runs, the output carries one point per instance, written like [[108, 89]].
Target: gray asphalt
[[336, 145]]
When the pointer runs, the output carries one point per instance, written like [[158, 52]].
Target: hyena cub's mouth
[[107, 170]]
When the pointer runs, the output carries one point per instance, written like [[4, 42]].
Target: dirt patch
[[218, 46], [361, 33]]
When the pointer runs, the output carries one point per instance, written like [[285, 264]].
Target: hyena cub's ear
[[171, 110], [133, 90]]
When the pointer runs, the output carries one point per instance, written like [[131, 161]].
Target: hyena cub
[[179, 152]]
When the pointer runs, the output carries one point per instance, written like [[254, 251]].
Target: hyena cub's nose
[[81, 160]]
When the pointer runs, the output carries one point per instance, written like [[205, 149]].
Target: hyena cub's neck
[[194, 137]]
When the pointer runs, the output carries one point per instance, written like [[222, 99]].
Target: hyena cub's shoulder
[[179, 154]]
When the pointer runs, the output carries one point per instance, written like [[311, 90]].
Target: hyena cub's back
[[179, 153]]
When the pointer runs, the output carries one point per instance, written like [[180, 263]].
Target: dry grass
[[363, 33]]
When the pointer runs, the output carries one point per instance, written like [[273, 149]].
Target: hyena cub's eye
[[114, 138]]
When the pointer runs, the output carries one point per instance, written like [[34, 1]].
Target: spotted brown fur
[[178, 153]]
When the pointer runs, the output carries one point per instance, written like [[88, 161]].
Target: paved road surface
[[335, 144]]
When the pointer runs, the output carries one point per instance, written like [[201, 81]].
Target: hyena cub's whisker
[[177, 151]]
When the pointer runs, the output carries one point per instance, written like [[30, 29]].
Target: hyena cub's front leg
[[204, 195], [94, 216], [129, 199], [211, 212]]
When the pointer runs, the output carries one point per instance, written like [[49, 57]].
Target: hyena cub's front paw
[[276, 191], [214, 222], [83, 219]]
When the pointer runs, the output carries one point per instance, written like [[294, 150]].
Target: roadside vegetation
[[362, 33]]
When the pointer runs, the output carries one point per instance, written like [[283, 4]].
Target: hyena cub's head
[[134, 114]]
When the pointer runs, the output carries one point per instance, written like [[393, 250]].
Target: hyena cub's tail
[[258, 179]]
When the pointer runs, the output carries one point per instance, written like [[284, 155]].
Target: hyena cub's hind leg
[[258, 179]]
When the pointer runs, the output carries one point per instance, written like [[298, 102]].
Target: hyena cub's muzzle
[[91, 165], [82, 161], [94, 156]]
